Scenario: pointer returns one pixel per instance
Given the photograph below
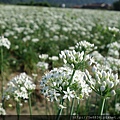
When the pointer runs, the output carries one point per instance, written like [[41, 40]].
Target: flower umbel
[[19, 87], [56, 84], [4, 42], [2, 111], [103, 81]]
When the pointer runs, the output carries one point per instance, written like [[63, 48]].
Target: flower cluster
[[103, 81], [113, 29], [114, 49], [77, 57], [57, 84], [19, 87], [84, 46], [2, 111], [4, 42], [72, 58], [117, 107], [43, 65]]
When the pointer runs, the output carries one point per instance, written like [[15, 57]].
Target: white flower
[[113, 29], [54, 58], [102, 88], [117, 107], [57, 83], [43, 56], [2, 111], [4, 42], [72, 58], [42, 65], [68, 94], [113, 92], [19, 87], [105, 81], [84, 46], [35, 40]]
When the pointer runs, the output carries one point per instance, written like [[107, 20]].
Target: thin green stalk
[[78, 107], [72, 77], [67, 111], [2, 77], [30, 107], [72, 107], [18, 110], [102, 105], [115, 103], [87, 106], [60, 110]]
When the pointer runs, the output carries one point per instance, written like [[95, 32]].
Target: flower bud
[[104, 83], [102, 88], [111, 84], [113, 92]]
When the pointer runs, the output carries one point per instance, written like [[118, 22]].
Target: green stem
[[18, 110], [30, 107], [72, 77], [87, 106], [2, 76], [78, 106], [115, 103], [102, 105], [71, 109], [67, 111], [60, 110]]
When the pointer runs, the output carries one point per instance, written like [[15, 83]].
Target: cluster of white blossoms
[[84, 46], [117, 107], [2, 111], [74, 59], [68, 82], [114, 49], [103, 82], [57, 84], [113, 29], [43, 65], [77, 57], [4, 42], [19, 87]]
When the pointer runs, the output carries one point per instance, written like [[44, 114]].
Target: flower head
[[84, 46], [4, 42], [19, 87], [103, 81], [56, 84], [73, 59], [2, 111]]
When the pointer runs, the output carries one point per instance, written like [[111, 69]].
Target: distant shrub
[[116, 5], [46, 4]]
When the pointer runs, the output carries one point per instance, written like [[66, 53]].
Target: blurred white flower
[[2, 111], [19, 87], [5, 42], [43, 56], [35, 40], [43, 65], [54, 58], [117, 107]]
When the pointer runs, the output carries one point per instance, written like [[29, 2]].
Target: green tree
[[116, 5]]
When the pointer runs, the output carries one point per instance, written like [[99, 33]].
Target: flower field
[[57, 61]]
